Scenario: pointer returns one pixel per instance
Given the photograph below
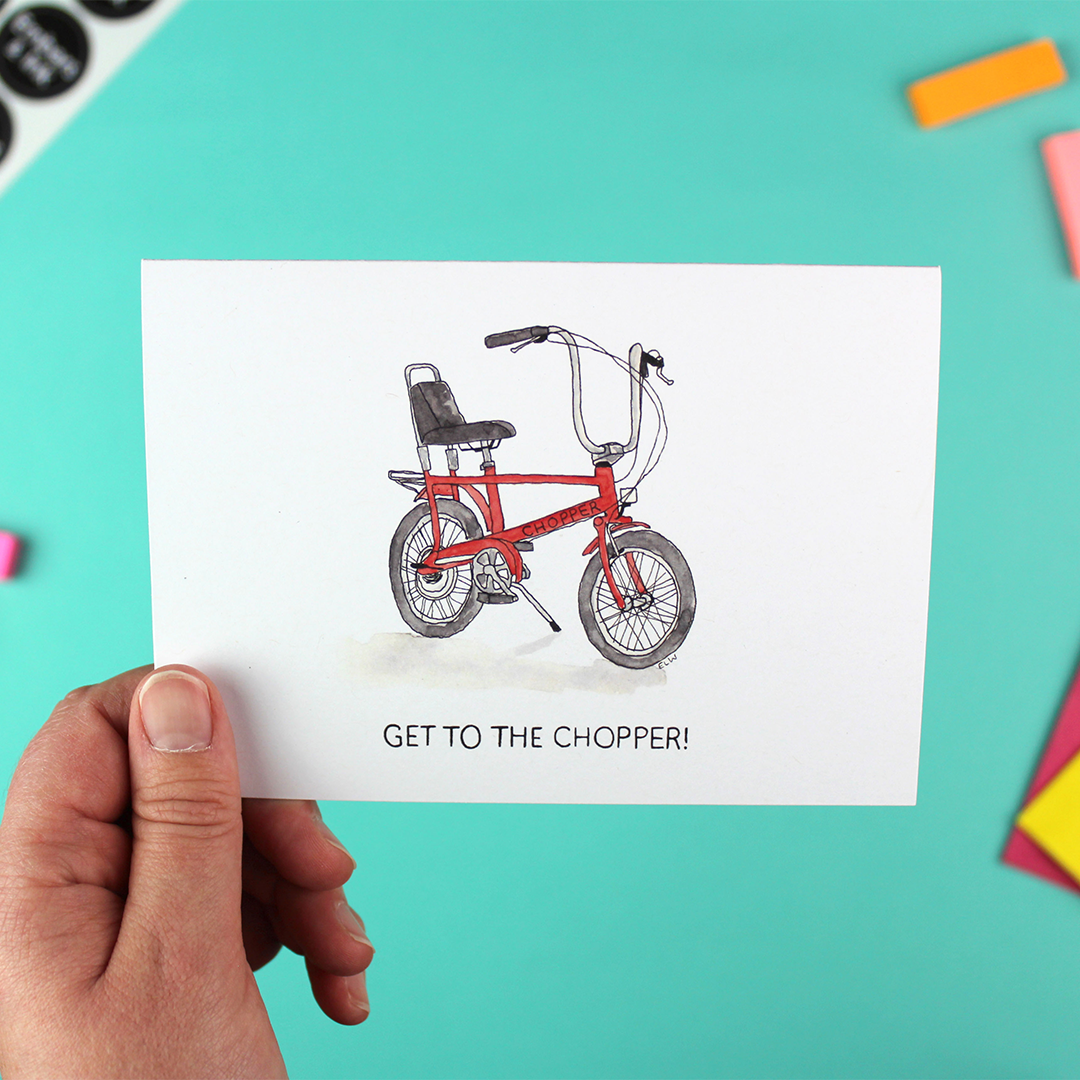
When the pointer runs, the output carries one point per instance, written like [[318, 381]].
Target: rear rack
[[414, 481]]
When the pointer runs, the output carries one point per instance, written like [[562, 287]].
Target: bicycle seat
[[439, 421]]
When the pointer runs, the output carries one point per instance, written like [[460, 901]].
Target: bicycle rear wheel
[[435, 605], [659, 600]]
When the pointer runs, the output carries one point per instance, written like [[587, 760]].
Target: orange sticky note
[[982, 84]]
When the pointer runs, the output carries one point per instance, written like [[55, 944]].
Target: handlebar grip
[[509, 337]]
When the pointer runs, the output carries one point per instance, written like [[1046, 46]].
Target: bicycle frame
[[483, 491]]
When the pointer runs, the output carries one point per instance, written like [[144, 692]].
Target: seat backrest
[[433, 406]]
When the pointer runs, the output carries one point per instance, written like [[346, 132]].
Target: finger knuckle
[[208, 808], [75, 699]]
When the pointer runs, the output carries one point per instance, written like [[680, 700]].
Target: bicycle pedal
[[523, 545], [496, 598]]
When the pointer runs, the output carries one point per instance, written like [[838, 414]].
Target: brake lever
[[654, 359], [538, 340]]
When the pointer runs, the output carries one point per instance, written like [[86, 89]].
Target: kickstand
[[536, 604]]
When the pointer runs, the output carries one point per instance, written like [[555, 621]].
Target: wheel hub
[[638, 601], [434, 586]]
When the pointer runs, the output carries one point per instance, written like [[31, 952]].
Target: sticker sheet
[[542, 532], [54, 58]]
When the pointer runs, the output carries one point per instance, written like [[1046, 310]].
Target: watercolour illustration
[[636, 599]]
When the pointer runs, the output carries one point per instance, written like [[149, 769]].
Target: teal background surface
[[533, 941]]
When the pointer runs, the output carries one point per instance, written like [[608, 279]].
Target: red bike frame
[[483, 490]]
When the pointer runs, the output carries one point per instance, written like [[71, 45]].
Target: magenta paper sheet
[[1064, 744]]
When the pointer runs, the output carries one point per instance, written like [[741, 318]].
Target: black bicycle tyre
[[410, 528], [593, 582]]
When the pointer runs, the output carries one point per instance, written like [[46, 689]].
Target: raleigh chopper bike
[[636, 599]]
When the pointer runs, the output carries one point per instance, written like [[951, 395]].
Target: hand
[[134, 911]]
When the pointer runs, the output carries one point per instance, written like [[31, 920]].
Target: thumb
[[184, 886]]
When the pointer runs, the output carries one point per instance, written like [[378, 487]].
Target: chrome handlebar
[[608, 452]]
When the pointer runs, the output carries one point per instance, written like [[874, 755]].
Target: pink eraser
[[1062, 156], [9, 553]]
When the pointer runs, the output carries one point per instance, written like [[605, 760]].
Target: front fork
[[605, 544]]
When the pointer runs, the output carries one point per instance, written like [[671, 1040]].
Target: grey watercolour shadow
[[390, 660]]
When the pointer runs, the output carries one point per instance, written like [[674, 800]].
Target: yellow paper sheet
[[1052, 818]]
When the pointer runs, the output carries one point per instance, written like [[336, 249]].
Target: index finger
[[292, 836], [76, 766]]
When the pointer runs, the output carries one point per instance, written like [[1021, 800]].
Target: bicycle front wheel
[[658, 600]]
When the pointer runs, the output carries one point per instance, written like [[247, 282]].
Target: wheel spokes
[[434, 598], [650, 593]]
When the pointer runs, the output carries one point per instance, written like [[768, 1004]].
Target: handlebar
[[509, 337], [637, 365]]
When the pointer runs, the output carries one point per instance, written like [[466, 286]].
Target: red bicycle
[[636, 599]]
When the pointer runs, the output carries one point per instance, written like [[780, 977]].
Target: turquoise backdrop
[[559, 941]]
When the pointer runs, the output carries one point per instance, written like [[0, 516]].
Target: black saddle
[[439, 421]]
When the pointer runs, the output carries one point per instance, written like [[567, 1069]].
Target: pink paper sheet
[[1062, 156], [1063, 745]]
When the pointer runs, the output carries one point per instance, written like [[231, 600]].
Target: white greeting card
[[543, 532]]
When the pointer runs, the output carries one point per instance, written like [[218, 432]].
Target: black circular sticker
[[115, 9], [5, 130], [43, 52]]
